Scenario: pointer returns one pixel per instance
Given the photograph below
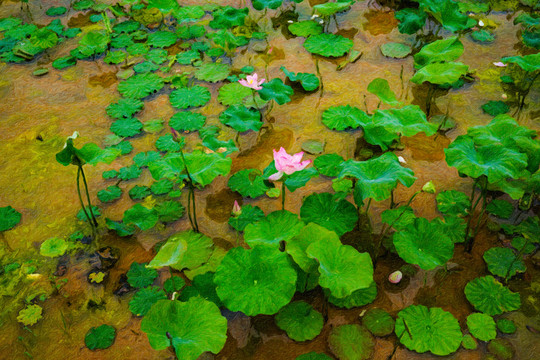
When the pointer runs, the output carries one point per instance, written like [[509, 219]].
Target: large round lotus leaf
[[212, 72], [490, 297], [276, 90], [53, 247], [378, 322], [351, 342], [339, 216], [257, 281], [9, 217], [376, 178], [343, 117], [186, 249], [241, 118], [428, 329], [503, 262], [311, 233], [502, 129], [161, 39], [140, 86], [424, 244], [278, 226], [100, 337], [328, 164], [187, 121], [143, 300], [528, 62], [495, 161], [191, 327], [124, 108], [190, 97], [399, 218], [233, 94], [126, 127], [448, 49], [395, 50], [305, 28], [313, 356], [250, 214], [358, 298], [248, 183], [141, 216], [300, 321], [453, 202], [482, 326], [328, 45], [343, 269], [440, 73]]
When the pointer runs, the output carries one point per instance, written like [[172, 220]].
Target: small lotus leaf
[[9, 217], [351, 342], [378, 322], [241, 118], [328, 164], [440, 73], [339, 216], [143, 300], [305, 28], [276, 90], [248, 182], [503, 262], [140, 85], [100, 337], [140, 276], [490, 297], [453, 202], [313, 356], [482, 326], [381, 89], [410, 20], [53, 247], [213, 72], [328, 45], [358, 297], [233, 94], [250, 214], [448, 49], [395, 50], [309, 82], [187, 121], [141, 216], [506, 326], [194, 96], [343, 117], [300, 321], [186, 249]]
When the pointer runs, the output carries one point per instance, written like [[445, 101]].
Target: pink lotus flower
[[252, 82], [288, 164], [499, 64], [236, 209], [395, 277]]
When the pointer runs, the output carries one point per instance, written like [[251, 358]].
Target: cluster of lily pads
[[280, 255]]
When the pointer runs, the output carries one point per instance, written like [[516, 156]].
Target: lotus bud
[[429, 187], [395, 277], [504, 96], [401, 159], [236, 209], [499, 64], [481, 23]]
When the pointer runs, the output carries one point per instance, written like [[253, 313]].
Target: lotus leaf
[[190, 97], [212, 72], [120, 228], [328, 45], [202, 285], [30, 315], [93, 43], [129, 172], [125, 127], [145, 67], [174, 283], [138, 49], [153, 126], [506, 326], [331, 8], [358, 298], [439, 51], [9, 217], [528, 63], [187, 121], [225, 17], [124, 108], [204, 168], [381, 89], [339, 216], [343, 117], [309, 82], [482, 326], [500, 208], [329, 164], [468, 342], [453, 202], [376, 178], [82, 217], [161, 39], [300, 321], [250, 214], [110, 194], [490, 297], [186, 249], [378, 322], [248, 182], [64, 62], [56, 11], [100, 337], [53, 247], [313, 356], [191, 327], [241, 118], [210, 266], [140, 85], [351, 342], [440, 73], [424, 244], [44, 38], [141, 216], [395, 50], [83, 4], [399, 218], [161, 187], [257, 281], [503, 262], [453, 226], [139, 192], [140, 276], [448, 13], [143, 300], [410, 20], [502, 129], [305, 28], [278, 226], [495, 108], [167, 143], [276, 90], [428, 329], [233, 94], [169, 211]]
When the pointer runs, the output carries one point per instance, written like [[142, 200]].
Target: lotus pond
[[269, 179]]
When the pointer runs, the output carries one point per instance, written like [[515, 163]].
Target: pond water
[[38, 113]]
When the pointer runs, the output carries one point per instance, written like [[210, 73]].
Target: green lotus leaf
[[266, 4], [495, 161], [100, 337], [428, 329], [299, 178], [309, 82], [202, 285], [190, 32], [506, 326], [161, 39], [248, 183], [278, 226], [210, 266], [9, 217], [233, 94], [500, 208], [453, 202], [502, 129], [300, 321], [313, 356], [139, 192], [56, 11], [495, 108], [351, 342], [380, 88], [168, 143], [64, 62], [339, 216], [328, 164], [124, 108], [257, 281], [453, 226], [82, 217], [482, 326], [120, 228], [311, 233], [410, 20], [424, 244], [448, 49], [126, 127], [328, 45], [141, 216], [191, 327], [115, 57], [483, 36], [93, 43], [395, 50], [169, 211], [194, 96], [44, 38], [528, 63], [331, 8], [440, 73], [161, 187], [129, 172], [83, 5], [110, 194], [358, 297], [187, 121], [250, 214], [213, 72], [153, 125], [9, 23], [343, 117], [276, 90], [523, 245], [138, 49], [399, 218], [378, 322], [140, 276], [490, 297], [53, 247], [469, 343], [186, 249], [128, 26], [145, 67], [448, 13], [305, 28], [143, 300], [174, 283], [204, 168], [225, 17], [343, 269], [30, 315], [241, 118], [377, 177], [140, 85], [503, 262]]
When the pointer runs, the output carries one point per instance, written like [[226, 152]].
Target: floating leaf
[[439, 51], [56, 11], [358, 297], [453, 202], [212, 72], [351, 342], [30, 315], [186, 249], [278, 226], [53, 247], [395, 50], [500, 208], [495, 108], [100, 337], [381, 89], [468, 342], [378, 322], [329, 164], [428, 329], [129, 172], [300, 321], [328, 45], [225, 17], [9, 217], [399, 218], [126, 127], [141, 216], [331, 8], [241, 118], [250, 214], [187, 121], [233, 94], [139, 192], [202, 285], [266, 4], [309, 82], [174, 283], [339, 216], [343, 117], [506, 326], [169, 211], [490, 297], [256, 281], [410, 20], [143, 300], [248, 183], [168, 143], [305, 28], [276, 90], [124, 108], [139, 276], [161, 39], [140, 85], [44, 38], [440, 73], [503, 262], [190, 97], [528, 63], [482, 326]]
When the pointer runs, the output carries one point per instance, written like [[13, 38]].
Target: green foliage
[[378, 322], [339, 216], [309, 82], [276, 90], [313, 356], [328, 45], [167, 143], [9, 217], [93, 43], [380, 88], [140, 276], [328, 164], [187, 121], [174, 283], [528, 63], [225, 17], [233, 94], [241, 118], [250, 214], [481, 326], [395, 50], [331, 8], [506, 326], [56, 11], [143, 300], [500, 208], [194, 96], [503, 262], [30, 315], [100, 337], [139, 192], [305, 28], [140, 85], [495, 108], [357, 298], [300, 321], [453, 202], [278, 226], [186, 249], [351, 342], [439, 51], [468, 342], [490, 297], [53, 247], [445, 73], [248, 183], [343, 117], [212, 72], [410, 20], [161, 39]]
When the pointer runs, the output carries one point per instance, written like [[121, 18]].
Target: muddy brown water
[[55, 105]]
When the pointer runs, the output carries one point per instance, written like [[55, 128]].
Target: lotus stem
[[90, 210], [82, 203], [283, 195], [191, 196], [474, 204]]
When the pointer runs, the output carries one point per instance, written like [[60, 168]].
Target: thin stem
[[193, 221], [474, 204], [368, 205], [283, 195], [80, 198], [88, 196], [471, 210], [189, 210], [192, 189]]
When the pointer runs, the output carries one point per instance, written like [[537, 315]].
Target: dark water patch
[[219, 205], [104, 80], [82, 19], [348, 33], [427, 148], [283, 20]]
